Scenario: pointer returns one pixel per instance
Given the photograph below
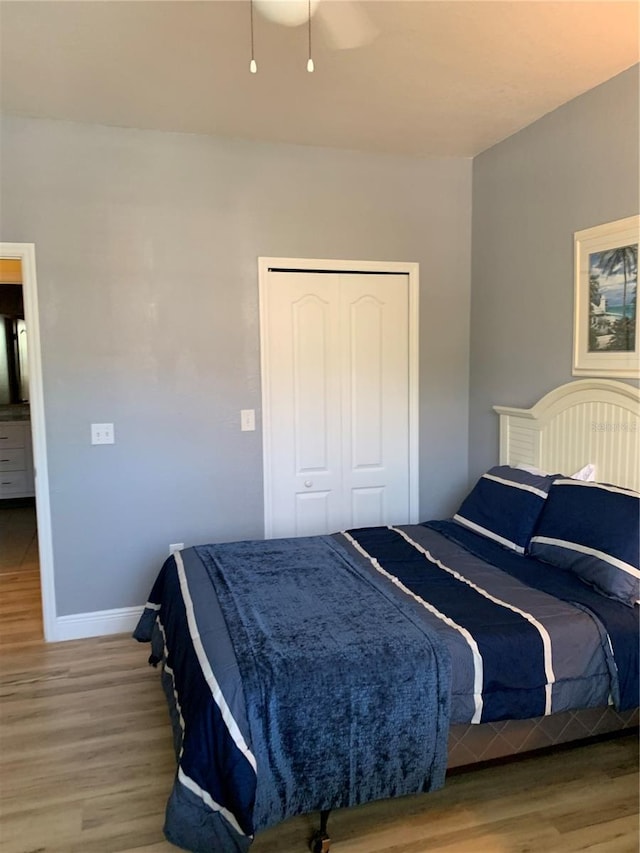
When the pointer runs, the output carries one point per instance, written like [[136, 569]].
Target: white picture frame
[[606, 340]]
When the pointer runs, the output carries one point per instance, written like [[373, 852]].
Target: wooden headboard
[[587, 421]]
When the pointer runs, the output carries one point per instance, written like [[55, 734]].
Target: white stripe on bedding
[[544, 634], [488, 533], [477, 657], [168, 670], [206, 798], [210, 678], [593, 552], [524, 486], [604, 486]]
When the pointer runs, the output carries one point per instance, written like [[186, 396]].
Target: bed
[[318, 673]]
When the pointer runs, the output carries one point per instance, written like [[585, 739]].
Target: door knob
[[308, 484]]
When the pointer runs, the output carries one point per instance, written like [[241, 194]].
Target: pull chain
[[309, 61], [253, 67]]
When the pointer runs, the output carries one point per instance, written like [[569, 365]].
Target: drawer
[[11, 435], [12, 459], [14, 483]]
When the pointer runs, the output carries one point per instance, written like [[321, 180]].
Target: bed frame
[[587, 421], [593, 421]]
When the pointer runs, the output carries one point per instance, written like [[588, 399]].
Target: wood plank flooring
[[86, 764], [18, 538], [20, 601]]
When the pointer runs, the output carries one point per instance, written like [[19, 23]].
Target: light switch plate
[[247, 420], [102, 434]]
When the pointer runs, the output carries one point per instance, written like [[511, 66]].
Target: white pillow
[[587, 474]]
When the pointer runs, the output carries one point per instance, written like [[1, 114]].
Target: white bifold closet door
[[336, 401]]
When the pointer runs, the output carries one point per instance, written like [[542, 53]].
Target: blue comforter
[[617, 623], [301, 680], [314, 673]]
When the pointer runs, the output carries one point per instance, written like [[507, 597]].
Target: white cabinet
[[16, 460]]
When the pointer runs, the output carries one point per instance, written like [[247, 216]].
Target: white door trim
[[307, 265], [25, 252]]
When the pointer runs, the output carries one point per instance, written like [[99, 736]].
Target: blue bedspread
[[517, 651], [322, 672], [342, 697], [618, 620]]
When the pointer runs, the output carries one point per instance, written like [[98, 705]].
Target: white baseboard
[[78, 626]]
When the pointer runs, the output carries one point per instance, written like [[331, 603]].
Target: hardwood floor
[[18, 538], [86, 764], [20, 601]]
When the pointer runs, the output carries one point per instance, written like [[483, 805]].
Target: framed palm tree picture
[[605, 331]]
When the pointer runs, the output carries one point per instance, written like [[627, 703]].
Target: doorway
[[20, 592], [26, 567], [339, 349]]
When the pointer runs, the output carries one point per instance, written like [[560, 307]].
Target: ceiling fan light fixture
[[309, 7], [289, 13]]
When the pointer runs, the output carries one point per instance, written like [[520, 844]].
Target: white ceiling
[[441, 78]]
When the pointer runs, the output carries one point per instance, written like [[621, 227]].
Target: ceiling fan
[[345, 23]]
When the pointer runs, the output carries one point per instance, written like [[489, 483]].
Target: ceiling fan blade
[[346, 24]]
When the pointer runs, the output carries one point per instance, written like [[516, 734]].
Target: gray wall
[[146, 248], [575, 168]]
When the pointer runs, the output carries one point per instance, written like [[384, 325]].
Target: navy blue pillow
[[505, 505], [593, 529]]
